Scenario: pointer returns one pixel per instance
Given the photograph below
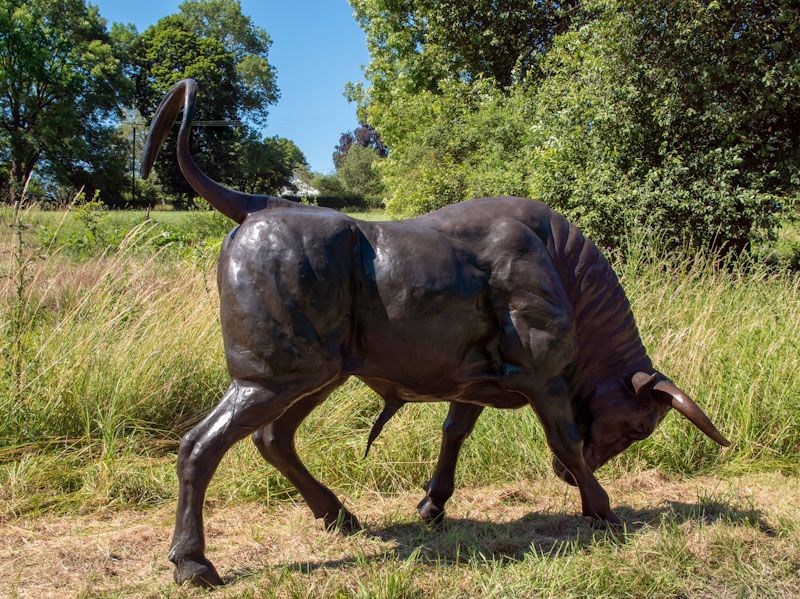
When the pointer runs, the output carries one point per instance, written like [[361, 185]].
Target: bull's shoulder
[[513, 240]]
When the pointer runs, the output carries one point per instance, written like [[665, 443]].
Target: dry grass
[[702, 537]]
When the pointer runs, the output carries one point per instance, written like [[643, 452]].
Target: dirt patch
[[125, 552]]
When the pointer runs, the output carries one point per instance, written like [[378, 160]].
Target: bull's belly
[[464, 354], [486, 390]]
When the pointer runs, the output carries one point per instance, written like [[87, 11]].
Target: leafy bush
[[689, 130]]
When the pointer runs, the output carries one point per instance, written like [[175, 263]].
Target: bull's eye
[[639, 433]]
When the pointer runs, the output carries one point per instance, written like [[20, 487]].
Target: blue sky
[[316, 47]]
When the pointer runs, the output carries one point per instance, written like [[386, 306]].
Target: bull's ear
[[642, 383]]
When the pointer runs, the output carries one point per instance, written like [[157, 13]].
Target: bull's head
[[623, 411]]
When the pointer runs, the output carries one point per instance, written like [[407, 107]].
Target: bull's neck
[[608, 341]]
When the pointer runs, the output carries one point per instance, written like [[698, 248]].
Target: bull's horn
[[684, 404]]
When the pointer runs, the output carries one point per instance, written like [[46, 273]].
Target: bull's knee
[[187, 454], [454, 430], [262, 440]]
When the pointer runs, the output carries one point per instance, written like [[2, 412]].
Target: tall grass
[[122, 354]]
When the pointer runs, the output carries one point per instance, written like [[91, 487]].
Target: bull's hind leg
[[457, 426], [275, 441], [245, 407]]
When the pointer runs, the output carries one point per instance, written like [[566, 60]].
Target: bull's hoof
[[197, 572], [609, 520], [430, 512], [342, 521]]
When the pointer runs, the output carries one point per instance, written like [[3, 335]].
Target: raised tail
[[233, 204]]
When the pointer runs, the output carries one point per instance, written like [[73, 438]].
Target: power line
[[217, 123]]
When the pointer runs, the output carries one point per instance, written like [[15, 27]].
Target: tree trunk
[[17, 177]]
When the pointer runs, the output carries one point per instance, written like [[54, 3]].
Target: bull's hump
[[472, 219]]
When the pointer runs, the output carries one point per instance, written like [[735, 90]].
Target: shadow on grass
[[459, 540]]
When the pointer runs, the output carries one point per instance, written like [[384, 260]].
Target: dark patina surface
[[493, 302]]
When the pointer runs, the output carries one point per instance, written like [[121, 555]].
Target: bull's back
[[466, 293]]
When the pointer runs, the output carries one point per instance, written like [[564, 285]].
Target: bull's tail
[[233, 204], [390, 407]]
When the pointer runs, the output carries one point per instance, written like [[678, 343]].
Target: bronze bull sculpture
[[492, 302]]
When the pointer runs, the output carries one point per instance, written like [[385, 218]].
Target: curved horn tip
[[686, 406]]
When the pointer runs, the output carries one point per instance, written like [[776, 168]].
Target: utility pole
[[133, 166]]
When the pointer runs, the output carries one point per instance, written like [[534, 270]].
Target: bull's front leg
[[457, 426], [554, 408]]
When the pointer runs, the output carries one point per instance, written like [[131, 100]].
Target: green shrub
[[625, 124]]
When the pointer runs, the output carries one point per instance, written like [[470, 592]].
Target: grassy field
[[111, 350]]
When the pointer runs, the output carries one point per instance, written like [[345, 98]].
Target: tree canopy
[[61, 82], [674, 115], [268, 165], [678, 115], [358, 172], [416, 44], [214, 43], [223, 20], [365, 136], [72, 90]]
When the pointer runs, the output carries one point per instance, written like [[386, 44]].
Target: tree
[[212, 42], [99, 167], [60, 82], [168, 52], [416, 44], [365, 136], [223, 20], [358, 174], [266, 166], [676, 115], [327, 184], [672, 114]]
